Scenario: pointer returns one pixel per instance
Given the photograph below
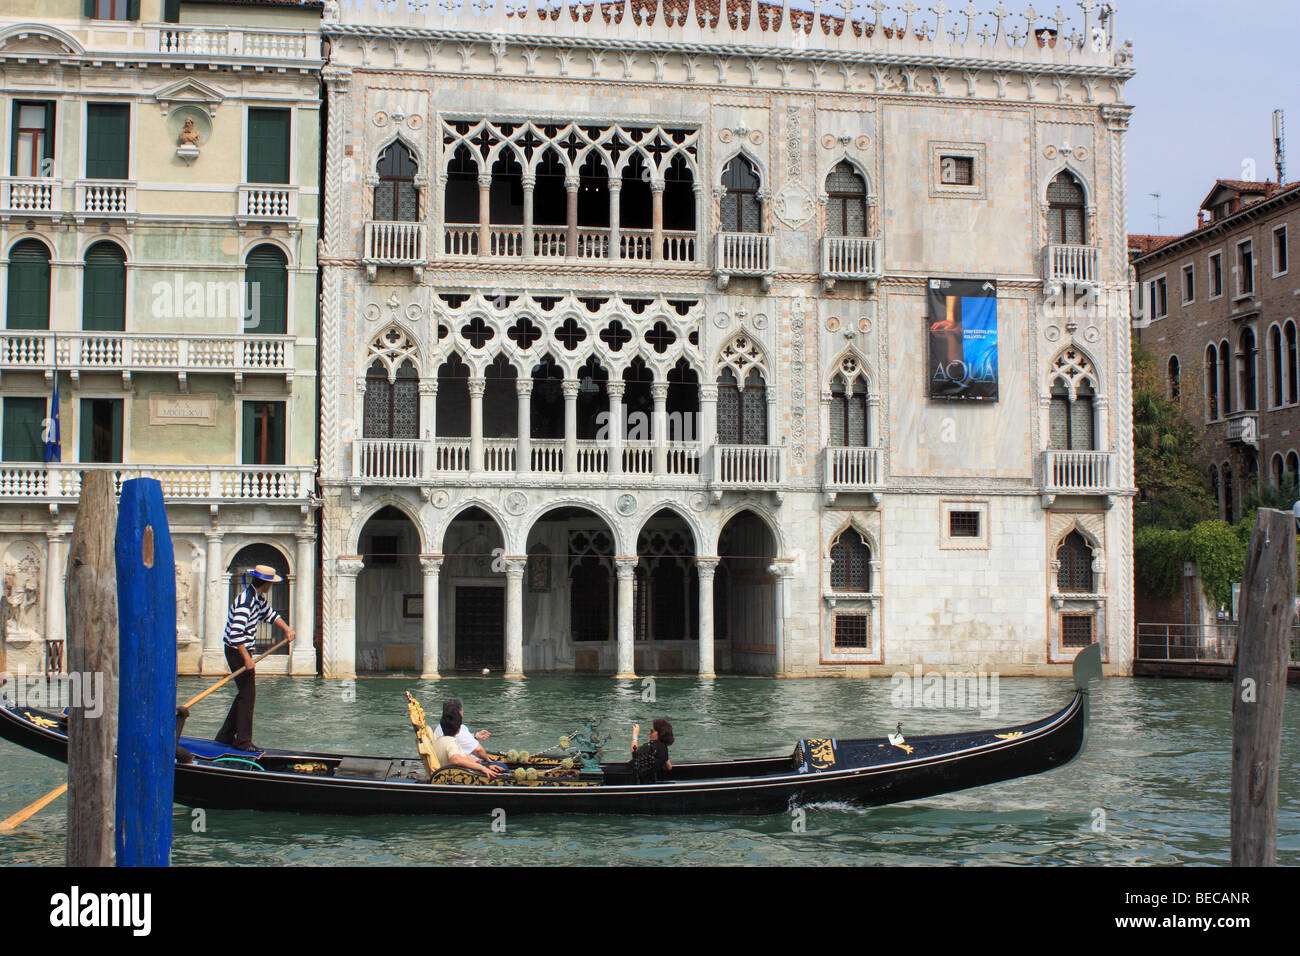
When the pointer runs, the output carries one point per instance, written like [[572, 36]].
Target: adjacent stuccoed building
[[648, 341], [158, 230]]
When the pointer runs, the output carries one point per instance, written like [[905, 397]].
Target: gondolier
[[249, 609]]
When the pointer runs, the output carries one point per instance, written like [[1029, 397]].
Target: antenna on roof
[[1279, 146], [1156, 215]]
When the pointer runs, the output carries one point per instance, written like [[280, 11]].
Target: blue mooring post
[[146, 723]]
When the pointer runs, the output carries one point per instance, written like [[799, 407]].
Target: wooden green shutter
[[133, 9], [107, 140], [103, 302], [267, 280], [275, 438], [47, 150], [22, 429], [89, 407], [89, 9], [13, 140], [28, 306], [172, 11], [249, 454], [268, 146]]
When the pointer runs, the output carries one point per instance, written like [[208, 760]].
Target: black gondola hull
[[879, 774]]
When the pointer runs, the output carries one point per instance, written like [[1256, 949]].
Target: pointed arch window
[[1071, 418], [396, 198], [1175, 381], [1292, 365], [741, 210], [1066, 223], [1276, 357], [850, 562], [1211, 384], [850, 420], [1074, 565], [1226, 402], [846, 204], [1246, 364], [742, 412], [461, 204], [392, 406]]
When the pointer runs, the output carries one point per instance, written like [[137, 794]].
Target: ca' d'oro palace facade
[[622, 341]]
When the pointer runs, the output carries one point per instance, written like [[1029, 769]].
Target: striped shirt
[[249, 610]]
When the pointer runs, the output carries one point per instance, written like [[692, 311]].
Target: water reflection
[[1155, 773]]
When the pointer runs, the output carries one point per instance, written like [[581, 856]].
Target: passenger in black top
[[650, 763]]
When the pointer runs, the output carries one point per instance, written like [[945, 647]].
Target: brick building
[[1218, 307]]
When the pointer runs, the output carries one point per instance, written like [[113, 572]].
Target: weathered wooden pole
[[146, 603], [1268, 590], [91, 601]]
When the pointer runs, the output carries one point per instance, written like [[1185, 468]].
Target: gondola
[[866, 772]]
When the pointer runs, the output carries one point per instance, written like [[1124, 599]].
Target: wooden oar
[[9, 824]]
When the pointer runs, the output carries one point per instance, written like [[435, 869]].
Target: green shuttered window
[[267, 280], [22, 429], [268, 146], [103, 304], [108, 140], [31, 148], [28, 305]]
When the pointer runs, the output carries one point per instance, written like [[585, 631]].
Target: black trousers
[[237, 731]]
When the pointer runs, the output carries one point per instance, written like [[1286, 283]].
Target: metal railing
[[1084, 472], [1209, 643]]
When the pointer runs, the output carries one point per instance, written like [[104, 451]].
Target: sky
[[1209, 75]]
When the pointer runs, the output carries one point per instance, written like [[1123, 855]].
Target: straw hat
[[264, 572]]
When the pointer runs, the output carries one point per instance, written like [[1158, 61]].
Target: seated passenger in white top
[[469, 743]]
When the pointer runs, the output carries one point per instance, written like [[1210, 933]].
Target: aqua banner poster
[[962, 333]]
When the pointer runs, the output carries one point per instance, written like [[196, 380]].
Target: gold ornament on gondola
[[512, 756], [564, 743]]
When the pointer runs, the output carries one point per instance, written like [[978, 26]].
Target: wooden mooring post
[[91, 600], [1268, 591], [146, 602]]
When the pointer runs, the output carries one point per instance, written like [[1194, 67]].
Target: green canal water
[[1152, 786]]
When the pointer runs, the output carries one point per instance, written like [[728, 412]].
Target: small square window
[[1189, 284], [964, 524], [853, 631], [1245, 268], [956, 170], [1076, 630]]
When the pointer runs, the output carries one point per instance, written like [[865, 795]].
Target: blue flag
[[50, 432]]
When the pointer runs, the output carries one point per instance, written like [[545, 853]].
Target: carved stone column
[[485, 215], [779, 571], [515, 615], [657, 221], [571, 216], [303, 651], [477, 384], [530, 183], [524, 420], [706, 567], [708, 432], [659, 425], [614, 389], [344, 653], [615, 228], [431, 565], [213, 660], [570, 389], [625, 569], [428, 424]]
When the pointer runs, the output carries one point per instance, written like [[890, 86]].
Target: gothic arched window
[[849, 419], [850, 562], [741, 209], [846, 202], [396, 198], [392, 407], [1065, 211], [1074, 560]]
